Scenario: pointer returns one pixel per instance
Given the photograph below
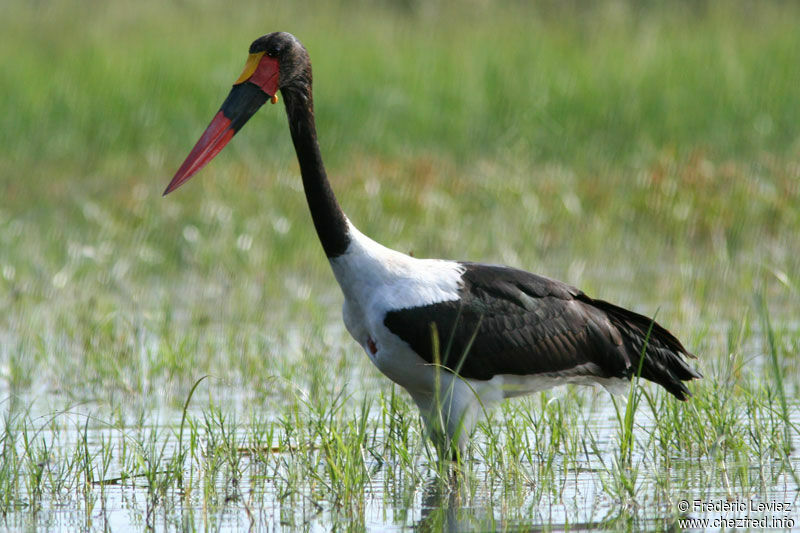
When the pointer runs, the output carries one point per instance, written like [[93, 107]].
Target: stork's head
[[277, 61]]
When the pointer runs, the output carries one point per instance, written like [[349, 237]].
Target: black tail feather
[[664, 361]]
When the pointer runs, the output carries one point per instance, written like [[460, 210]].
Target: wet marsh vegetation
[[181, 363]]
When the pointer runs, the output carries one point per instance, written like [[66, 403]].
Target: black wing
[[509, 321]]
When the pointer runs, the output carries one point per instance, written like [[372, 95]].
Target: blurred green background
[[648, 152]]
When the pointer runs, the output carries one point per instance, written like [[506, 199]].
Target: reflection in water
[[444, 508], [448, 504]]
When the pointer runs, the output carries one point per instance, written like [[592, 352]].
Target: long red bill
[[242, 103], [214, 139]]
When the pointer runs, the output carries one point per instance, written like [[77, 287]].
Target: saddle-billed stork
[[458, 336]]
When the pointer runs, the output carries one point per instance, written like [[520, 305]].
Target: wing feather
[[526, 324]]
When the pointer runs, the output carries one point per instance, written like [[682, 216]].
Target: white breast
[[367, 268], [376, 280]]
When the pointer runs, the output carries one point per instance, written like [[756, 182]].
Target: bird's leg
[[444, 423], [444, 430], [446, 447]]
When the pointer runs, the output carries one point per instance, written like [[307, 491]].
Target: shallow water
[[92, 460], [259, 492]]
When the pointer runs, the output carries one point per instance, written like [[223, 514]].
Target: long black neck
[[328, 217]]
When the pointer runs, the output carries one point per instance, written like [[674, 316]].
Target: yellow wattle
[[249, 67]]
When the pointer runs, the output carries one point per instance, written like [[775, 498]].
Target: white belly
[[376, 280], [393, 357]]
